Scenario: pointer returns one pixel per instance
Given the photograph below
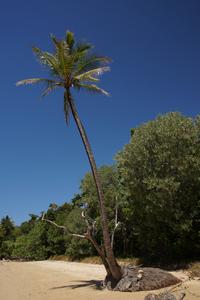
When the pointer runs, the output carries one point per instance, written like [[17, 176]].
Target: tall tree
[[159, 173], [8, 227], [72, 65]]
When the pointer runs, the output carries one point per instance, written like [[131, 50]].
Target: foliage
[[7, 229], [33, 245], [89, 194], [159, 173], [89, 200]]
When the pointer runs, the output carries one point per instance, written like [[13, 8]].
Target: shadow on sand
[[96, 284]]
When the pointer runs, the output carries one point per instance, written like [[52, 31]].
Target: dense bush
[[160, 180]]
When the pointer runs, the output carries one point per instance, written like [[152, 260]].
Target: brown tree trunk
[[115, 269], [101, 254]]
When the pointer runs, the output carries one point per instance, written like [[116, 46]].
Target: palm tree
[[72, 65]]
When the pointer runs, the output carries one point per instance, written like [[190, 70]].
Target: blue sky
[[155, 48]]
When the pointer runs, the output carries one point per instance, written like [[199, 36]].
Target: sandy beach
[[52, 280]]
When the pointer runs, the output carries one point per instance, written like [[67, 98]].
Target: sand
[[52, 280]]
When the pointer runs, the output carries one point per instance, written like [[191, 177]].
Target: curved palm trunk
[[115, 269]]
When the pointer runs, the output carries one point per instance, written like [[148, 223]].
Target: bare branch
[[116, 224], [51, 222], [63, 227], [91, 224], [85, 219], [78, 235]]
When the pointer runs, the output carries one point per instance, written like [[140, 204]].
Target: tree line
[[152, 200]]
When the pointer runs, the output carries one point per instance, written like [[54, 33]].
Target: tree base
[[141, 279]]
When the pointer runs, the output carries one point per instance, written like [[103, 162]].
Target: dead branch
[[63, 227], [116, 224], [88, 235], [91, 224]]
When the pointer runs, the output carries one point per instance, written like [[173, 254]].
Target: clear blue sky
[[155, 48]]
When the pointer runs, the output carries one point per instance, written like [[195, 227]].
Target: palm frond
[[45, 58], [93, 79], [89, 62], [88, 79], [79, 52], [65, 59], [66, 109], [94, 72], [54, 40], [63, 55], [50, 88], [83, 47], [34, 81], [48, 60], [91, 88], [70, 39]]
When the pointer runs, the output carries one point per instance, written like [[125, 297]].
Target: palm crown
[[71, 65]]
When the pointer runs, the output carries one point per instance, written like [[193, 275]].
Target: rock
[[163, 296], [151, 297], [126, 284], [143, 279]]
